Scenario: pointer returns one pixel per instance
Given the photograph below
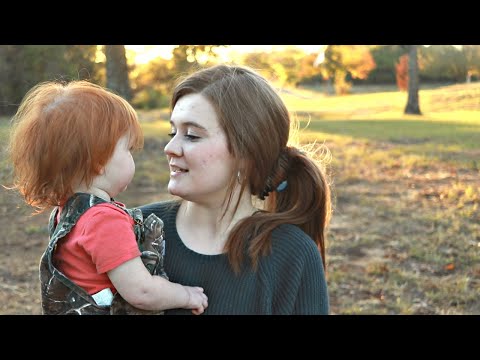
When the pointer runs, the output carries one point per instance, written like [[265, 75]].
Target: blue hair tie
[[282, 186]]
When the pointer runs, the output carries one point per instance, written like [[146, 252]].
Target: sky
[[145, 53]]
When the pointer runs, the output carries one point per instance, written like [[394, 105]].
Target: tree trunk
[[413, 106], [117, 71]]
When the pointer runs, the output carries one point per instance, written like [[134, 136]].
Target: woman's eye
[[187, 136], [192, 137]]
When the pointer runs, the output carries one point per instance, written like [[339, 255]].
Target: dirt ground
[[19, 257]]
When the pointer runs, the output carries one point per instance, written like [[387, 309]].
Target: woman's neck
[[205, 228]]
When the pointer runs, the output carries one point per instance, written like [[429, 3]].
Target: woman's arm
[[300, 287], [312, 297]]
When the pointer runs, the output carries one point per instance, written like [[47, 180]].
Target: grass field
[[405, 232]]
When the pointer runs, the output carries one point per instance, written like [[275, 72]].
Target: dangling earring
[[238, 177]]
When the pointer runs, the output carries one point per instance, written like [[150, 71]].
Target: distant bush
[[150, 98]]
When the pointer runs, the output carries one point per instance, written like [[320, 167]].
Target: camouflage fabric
[[61, 296]]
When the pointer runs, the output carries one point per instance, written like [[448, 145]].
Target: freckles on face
[[211, 156], [213, 153]]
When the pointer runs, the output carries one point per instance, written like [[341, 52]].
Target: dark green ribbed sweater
[[289, 281]]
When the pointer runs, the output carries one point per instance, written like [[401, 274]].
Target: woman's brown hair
[[257, 126]]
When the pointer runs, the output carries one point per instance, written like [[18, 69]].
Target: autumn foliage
[[401, 71], [343, 60]]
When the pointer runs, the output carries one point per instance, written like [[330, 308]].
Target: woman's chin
[[173, 190]]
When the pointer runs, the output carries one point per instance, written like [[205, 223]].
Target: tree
[[343, 60], [441, 63], [413, 106], [472, 56], [23, 66], [187, 58], [154, 82], [285, 67], [386, 57], [117, 71]]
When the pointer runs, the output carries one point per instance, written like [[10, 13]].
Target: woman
[[250, 224]]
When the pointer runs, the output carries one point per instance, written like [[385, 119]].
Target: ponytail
[[301, 197]]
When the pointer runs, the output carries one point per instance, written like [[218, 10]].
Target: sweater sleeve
[[300, 286], [312, 296]]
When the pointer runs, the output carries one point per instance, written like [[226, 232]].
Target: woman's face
[[200, 163]]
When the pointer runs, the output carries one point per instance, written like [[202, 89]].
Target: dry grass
[[405, 233]]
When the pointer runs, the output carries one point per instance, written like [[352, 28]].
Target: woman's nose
[[173, 147]]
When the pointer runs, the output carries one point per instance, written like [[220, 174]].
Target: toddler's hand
[[197, 300]]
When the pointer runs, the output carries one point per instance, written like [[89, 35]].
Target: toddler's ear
[[100, 169]]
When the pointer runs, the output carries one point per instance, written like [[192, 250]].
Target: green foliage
[[258, 60], [287, 67], [150, 98], [442, 63], [153, 83], [23, 66], [293, 67], [385, 57], [472, 57]]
